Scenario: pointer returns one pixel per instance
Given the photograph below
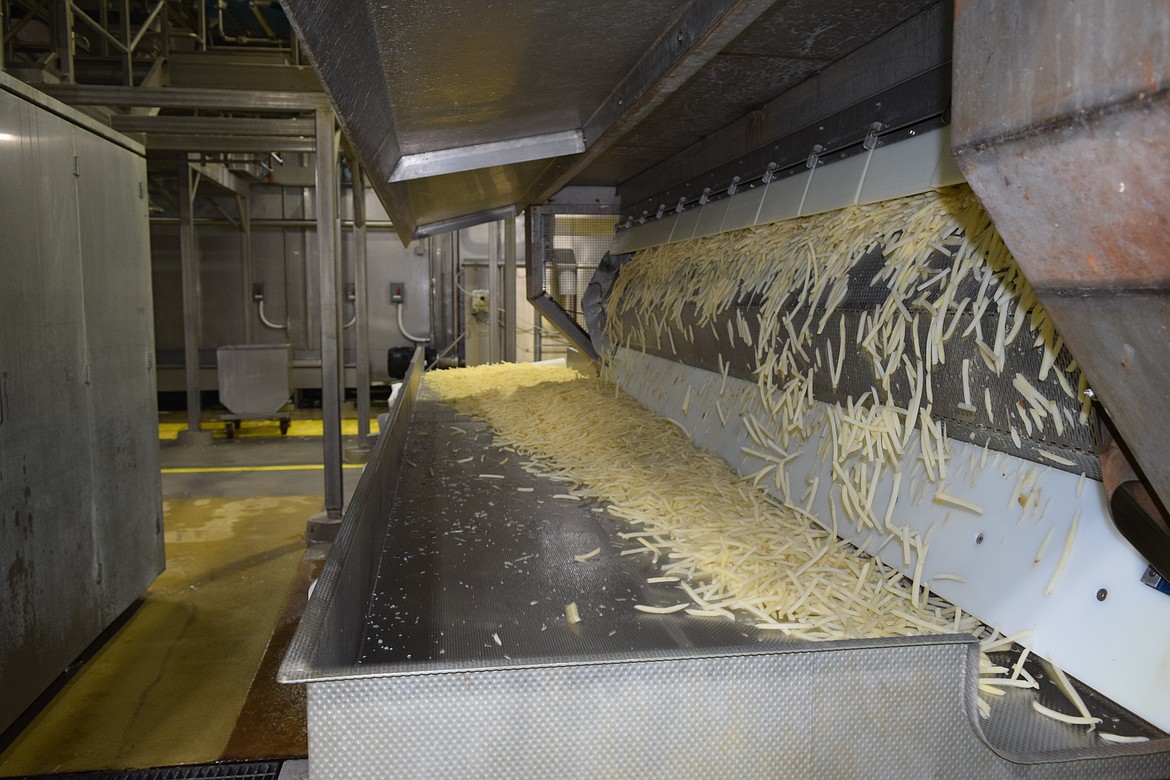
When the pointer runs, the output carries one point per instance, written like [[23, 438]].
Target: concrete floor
[[189, 677]]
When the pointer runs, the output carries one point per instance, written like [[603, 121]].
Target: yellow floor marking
[[253, 429], [221, 469]]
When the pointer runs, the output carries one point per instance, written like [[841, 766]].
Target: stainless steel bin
[[255, 380]]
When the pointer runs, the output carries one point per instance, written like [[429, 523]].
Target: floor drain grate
[[250, 770]]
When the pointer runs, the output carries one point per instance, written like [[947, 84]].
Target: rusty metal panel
[[1061, 125], [1020, 65]]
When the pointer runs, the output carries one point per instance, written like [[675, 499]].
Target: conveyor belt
[[467, 557]]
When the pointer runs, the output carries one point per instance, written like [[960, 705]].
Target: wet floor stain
[[169, 686]]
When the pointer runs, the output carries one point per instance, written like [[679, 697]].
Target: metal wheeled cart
[[231, 422], [255, 383]]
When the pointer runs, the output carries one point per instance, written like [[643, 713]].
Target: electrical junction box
[[397, 292], [479, 301]]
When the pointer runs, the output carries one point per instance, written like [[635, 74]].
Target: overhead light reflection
[[8, 137]]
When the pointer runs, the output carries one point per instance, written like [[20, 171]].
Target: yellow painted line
[[224, 469], [250, 429]]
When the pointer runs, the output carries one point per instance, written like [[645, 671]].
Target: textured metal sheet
[[327, 640], [903, 710], [410, 681], [467, 559]]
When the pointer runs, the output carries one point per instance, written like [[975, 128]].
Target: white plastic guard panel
[[1098, 622]]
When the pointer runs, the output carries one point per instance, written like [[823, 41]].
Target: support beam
[[361, 301], [209, 125], [220, 176], [510, 290], [545, 306], [329, 262], [244, 209], [226, 144], [469, 158], [63, 41], [177, 97], [493, 292], [189, 262]]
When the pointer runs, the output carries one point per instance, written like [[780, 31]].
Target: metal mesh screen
[[571, 247]]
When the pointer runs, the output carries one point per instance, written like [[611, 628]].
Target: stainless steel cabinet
[[80, 507]]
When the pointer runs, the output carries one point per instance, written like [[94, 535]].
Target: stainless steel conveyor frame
[[691, 700]]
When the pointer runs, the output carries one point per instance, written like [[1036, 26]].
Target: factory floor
[[188, 676]]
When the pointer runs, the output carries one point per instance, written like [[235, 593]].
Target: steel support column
[[189, 263], [244, 208], [361, 301], [510, 290], [493, 292], [329, 262], [63, 39], [541, 300]]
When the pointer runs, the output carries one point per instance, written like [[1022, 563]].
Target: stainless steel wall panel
[[48, 606], [221, 272], [115, 256], [80, 535]]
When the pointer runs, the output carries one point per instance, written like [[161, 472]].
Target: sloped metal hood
[[460, 109], [464, 111]]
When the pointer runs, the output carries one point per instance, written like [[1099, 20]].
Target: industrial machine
[[921, 314]]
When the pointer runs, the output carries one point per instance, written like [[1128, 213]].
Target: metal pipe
[[264, 319], [329, 269], [63, 39], [268, 31], [493, 322], [189, 263], [272, 223], [104, 18], [405, 333], [360, 304], [510, 290], [146, 25], [73, 10], [128, 58], [244, 209]]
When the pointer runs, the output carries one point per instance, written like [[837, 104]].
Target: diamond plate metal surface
[[623, 694], [904, 710]]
